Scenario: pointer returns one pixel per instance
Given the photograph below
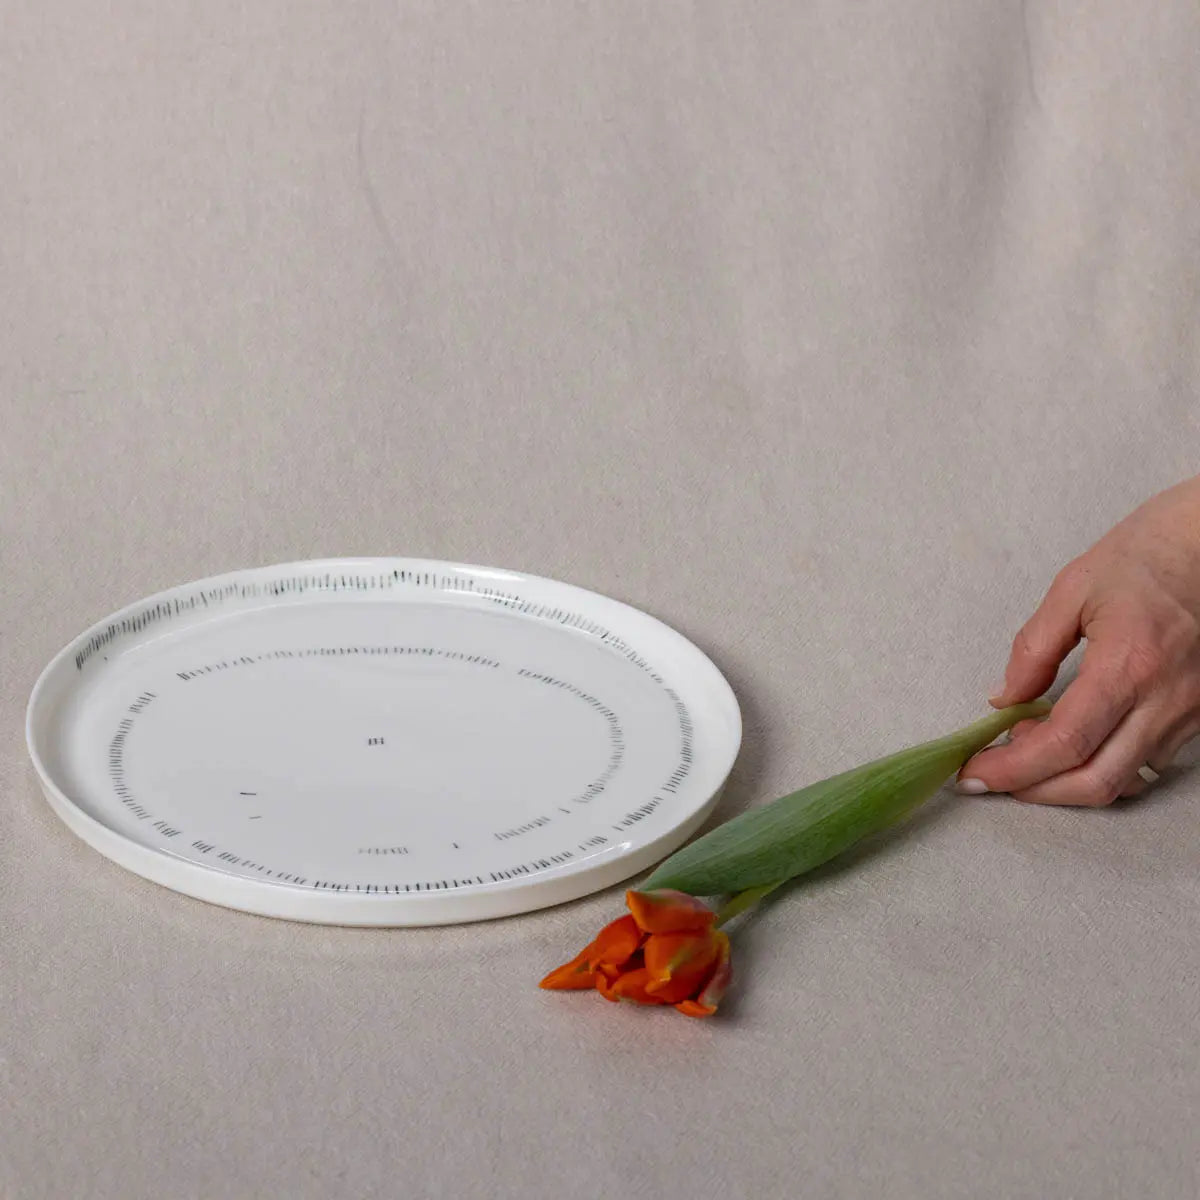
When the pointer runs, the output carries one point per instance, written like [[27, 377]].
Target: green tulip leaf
[[800, 831]]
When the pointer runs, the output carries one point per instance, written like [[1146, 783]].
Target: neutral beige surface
[[825, 331]]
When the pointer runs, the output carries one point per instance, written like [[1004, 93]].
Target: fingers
[[1090, 709], [1158, 758], [1044, 640], [1111, 770], [1143, 737]]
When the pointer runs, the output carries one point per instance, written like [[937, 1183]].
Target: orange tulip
[[666, 951]]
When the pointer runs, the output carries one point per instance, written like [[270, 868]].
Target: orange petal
[[616, 943], [630, 986], [605, 983], [706, 1003], [668, 911], [680, 964], [571, 976], [613, 946]]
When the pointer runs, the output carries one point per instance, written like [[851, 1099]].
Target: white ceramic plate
[[382, 741]]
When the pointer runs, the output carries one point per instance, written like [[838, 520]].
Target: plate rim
[[491, 901]]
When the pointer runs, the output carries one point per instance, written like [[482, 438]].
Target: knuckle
[[1118, 671], [1074, 576], [1030, 642], [1178, 641], [1181, 629], [1100, 790], [1073, 742], [1020, 643], [1101, 786], [1142, 663]]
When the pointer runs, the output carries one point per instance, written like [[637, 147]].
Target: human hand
[[1135, 598]]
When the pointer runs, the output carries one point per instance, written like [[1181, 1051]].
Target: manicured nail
[[970, 787]]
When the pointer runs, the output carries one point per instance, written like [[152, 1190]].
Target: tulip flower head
[[666, 951]]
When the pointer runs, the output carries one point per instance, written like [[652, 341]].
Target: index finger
[[1088, 712]]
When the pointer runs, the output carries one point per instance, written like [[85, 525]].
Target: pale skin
[[1135, 598]]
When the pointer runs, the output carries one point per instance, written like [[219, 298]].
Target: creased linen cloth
[[825, 332]]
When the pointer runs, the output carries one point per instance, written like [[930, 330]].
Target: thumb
[[1042, 643]]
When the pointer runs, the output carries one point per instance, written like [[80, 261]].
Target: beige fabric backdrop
[[824, 331]]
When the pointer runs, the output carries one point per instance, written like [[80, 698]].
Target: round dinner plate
[[382, 741]]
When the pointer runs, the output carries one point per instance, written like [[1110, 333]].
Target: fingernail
[[970, 787], [998, 691]]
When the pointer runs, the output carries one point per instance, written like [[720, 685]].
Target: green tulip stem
[[744, 900]]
